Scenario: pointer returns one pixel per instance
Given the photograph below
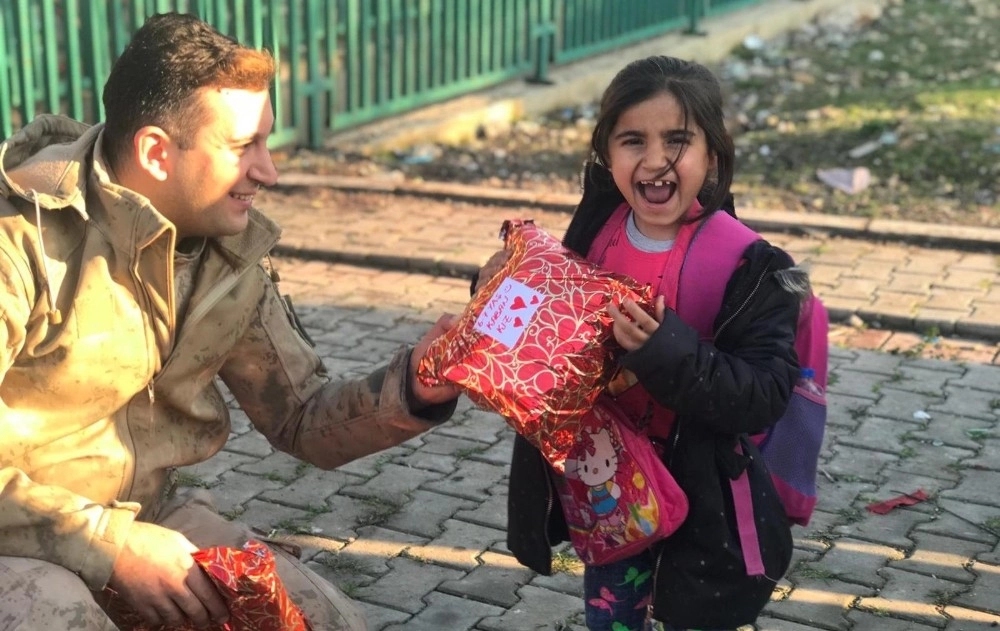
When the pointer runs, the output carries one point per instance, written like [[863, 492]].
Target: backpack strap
[[714, 254], [607, 232]]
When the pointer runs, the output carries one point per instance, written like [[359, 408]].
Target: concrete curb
[[964, 238]]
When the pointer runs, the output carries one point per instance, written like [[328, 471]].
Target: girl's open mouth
[[657, 191]]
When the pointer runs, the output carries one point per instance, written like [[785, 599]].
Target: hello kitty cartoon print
[[595, 462], [618, 498]]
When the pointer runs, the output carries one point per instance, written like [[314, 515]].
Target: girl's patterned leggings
[[618, 594]]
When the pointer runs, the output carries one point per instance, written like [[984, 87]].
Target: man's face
[[213, 181]]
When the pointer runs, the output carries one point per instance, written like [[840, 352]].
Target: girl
[[664, 164]]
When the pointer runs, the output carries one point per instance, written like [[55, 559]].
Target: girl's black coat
[[721, 389]]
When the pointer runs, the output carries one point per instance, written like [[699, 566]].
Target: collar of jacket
[[52, 161]]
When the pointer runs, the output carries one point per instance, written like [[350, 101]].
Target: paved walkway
[[416, 533]]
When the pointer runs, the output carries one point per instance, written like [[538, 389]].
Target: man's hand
[[157, 576], [492, 266], [431, 395]]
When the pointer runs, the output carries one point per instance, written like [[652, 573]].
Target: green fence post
[[696, 10], [543, 32], [6, 109]]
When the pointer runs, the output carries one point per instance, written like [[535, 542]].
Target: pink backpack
[[791, 446]]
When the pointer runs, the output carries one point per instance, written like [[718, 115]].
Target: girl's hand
[[492, 266], [633, 326]]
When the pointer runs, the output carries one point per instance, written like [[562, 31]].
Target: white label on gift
[[508, 312]]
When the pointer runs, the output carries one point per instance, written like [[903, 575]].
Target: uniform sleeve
[[741, 381], [281, 384], [37, 520]]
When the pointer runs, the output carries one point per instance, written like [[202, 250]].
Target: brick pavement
[[416, 533]]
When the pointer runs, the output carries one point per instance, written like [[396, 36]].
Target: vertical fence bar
[[313, 28], [50, 43], [334, 66], [381, 41], [22, 13], [425, 65], [72, 55], [435, 42], [462, 60], [6, 107], [395, 45], [450, 45], [365, 68]]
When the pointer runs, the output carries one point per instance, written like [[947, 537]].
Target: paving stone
[[250, 444], [941, 557], [854, 561], [393, 483], [963, 520], [883, 621], [979, 377], [985, 592], [969, 402], [538, 609], [845, 410], [499, 452], [911, 596], [406, 584], [901, 403], [970, 620], [491, 513], [948, 429], [496, 581], [471, 480], [379, 618], [932, 461], [267, 516], [989, 452], [424, 513], [371, 551], [891, 530], [981, 489], [444, 611], [855, 385], [568, 581], [235, 489], [277, 466], [210, 471], [853, 463], [475, 425], [878, 433], [311, 489], [818, 601], [459, 545], [839, 494], [347, 514]]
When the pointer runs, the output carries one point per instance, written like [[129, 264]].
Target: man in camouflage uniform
[[130, 268]]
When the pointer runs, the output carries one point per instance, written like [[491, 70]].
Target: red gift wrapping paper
[[249, 584], [535, 344]]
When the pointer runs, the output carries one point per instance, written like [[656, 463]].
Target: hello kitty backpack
[[617, 496]]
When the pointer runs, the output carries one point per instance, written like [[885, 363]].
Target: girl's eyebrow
[[629, 133]]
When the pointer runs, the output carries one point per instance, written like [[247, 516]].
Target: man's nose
[[263, 170]]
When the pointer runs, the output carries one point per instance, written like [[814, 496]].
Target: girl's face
[[648, 139]]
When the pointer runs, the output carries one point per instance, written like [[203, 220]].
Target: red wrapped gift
[[535, 343], [249, 584]]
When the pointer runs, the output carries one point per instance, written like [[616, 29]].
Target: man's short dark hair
[[156, 79]]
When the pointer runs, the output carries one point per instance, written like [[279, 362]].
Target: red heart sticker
[[518, 323], [518, 303], [534, 299]]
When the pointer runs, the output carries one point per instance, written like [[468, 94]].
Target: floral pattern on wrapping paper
[[543, 379]]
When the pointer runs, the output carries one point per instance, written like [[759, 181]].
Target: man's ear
[[154, 152]]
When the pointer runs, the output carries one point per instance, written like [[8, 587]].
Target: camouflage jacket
[[102, 395]]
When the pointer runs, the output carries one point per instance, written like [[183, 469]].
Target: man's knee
[[325, 606], [36, 595]]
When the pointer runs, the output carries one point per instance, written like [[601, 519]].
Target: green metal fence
[[342, 62]]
